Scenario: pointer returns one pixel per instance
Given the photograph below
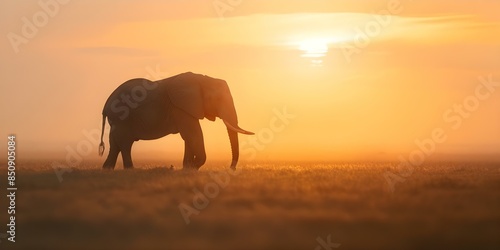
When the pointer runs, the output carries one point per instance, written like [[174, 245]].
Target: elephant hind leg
[[126, 149], [114, 150]]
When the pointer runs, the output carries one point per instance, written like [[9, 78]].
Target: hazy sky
[[360, 82]]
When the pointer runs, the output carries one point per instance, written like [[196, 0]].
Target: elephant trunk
[[230, 119], [235, 149], [231, 122], [232, 131]]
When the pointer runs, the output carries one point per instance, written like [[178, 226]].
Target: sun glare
[[313, 48]]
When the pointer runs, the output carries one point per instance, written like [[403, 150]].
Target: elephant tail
[[101, 146]]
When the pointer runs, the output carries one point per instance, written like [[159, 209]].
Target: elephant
[[140, 109]]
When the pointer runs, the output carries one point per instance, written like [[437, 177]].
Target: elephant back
[[184, 91], [130, 98]]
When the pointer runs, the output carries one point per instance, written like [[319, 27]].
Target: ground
[[263, 206]]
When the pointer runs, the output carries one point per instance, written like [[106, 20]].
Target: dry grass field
[[264, 206]]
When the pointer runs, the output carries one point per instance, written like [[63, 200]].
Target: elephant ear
[[185, 93]]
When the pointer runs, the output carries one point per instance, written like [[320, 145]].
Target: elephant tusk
[[237, 129]]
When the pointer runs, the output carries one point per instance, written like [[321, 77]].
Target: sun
[[314, 48]]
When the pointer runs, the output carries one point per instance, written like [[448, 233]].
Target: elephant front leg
[[194, 156], [194, 147], [190, 131], [188, 160]]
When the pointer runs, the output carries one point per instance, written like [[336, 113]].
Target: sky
[[315, 80]]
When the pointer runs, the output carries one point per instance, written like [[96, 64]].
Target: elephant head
[[206, 97]]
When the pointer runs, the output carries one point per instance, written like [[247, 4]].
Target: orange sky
[[354, 96]]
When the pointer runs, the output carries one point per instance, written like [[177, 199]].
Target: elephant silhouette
[[140, 109]]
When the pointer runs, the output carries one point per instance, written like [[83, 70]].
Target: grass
[[265, 206]]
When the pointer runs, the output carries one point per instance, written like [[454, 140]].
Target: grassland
[[265, 206]]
